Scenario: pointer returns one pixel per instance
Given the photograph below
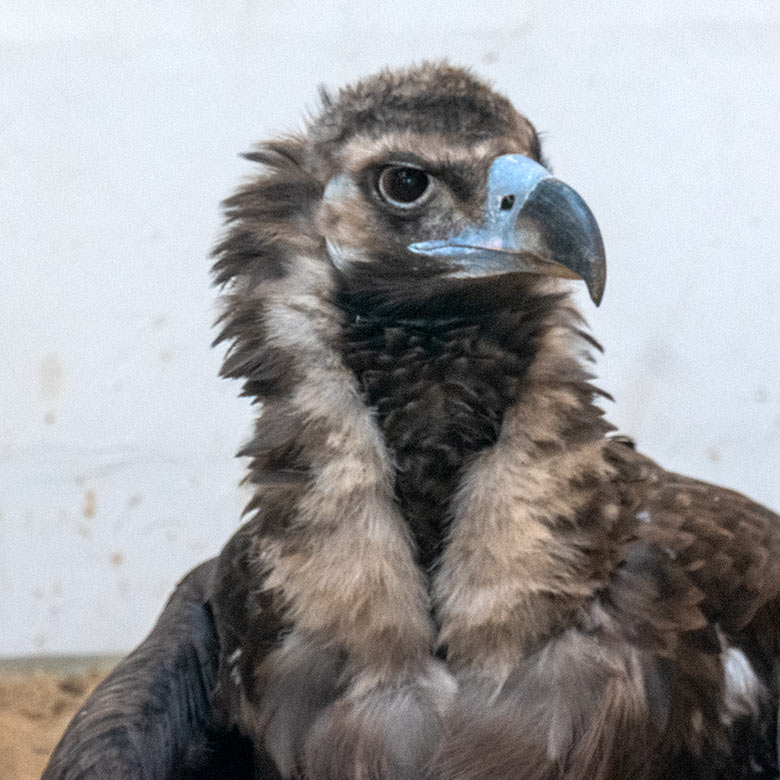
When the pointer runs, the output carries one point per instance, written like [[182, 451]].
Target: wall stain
[[50, 381], [50, 376], [117, 559], [713, 454], [90, 504]]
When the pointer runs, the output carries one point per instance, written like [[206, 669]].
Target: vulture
[[452, 568]]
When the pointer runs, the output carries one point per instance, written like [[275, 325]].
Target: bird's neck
[[441, 388], [498, 405]]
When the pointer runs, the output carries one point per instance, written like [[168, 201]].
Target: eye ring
[[404, 186]]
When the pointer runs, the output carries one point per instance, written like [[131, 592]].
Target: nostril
[[507, 202]]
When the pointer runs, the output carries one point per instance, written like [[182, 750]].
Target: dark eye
[[402, 186]]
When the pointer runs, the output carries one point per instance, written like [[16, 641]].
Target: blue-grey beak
[[532, 223]]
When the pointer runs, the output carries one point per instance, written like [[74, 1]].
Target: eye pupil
[[403, 186]]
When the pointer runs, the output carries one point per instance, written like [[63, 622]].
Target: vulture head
[[424, 192]]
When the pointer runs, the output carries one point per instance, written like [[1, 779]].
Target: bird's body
[[452, 570]]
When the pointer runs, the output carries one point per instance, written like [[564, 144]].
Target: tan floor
[[34, 710]]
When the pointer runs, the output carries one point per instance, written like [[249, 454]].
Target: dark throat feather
[[439, 388]]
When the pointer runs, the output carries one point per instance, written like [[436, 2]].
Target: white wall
[[120, 125]]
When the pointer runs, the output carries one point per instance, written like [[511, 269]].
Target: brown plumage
[[451, 569]]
